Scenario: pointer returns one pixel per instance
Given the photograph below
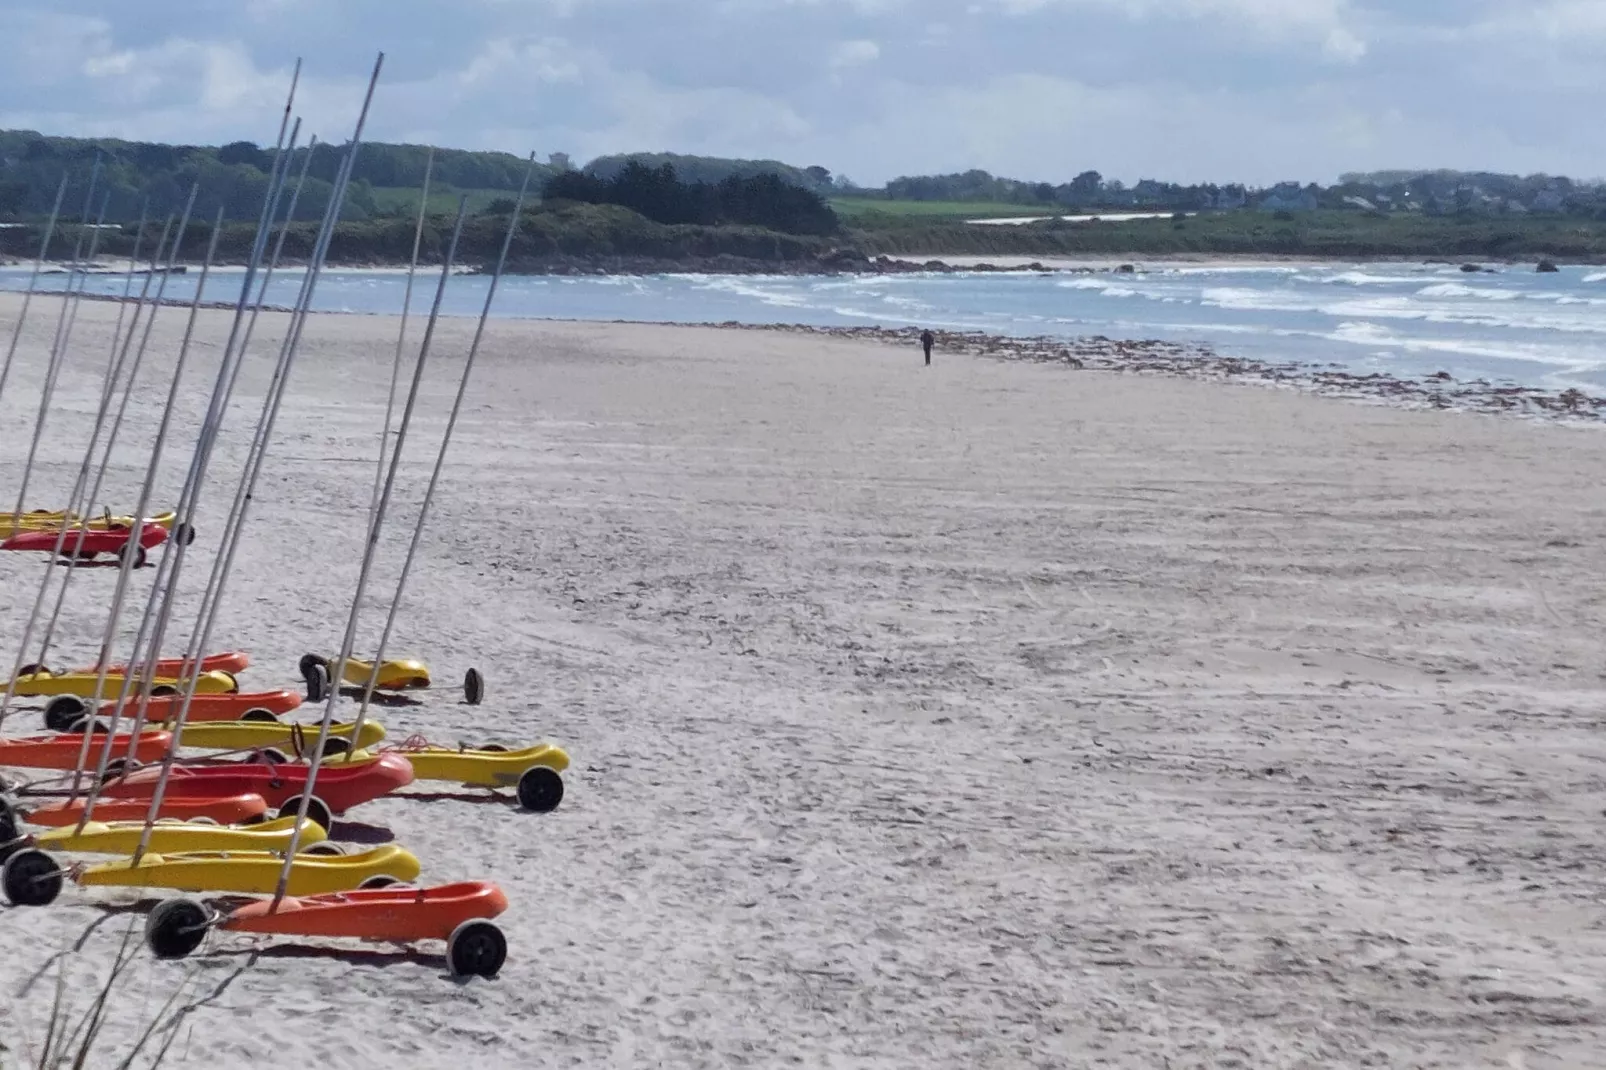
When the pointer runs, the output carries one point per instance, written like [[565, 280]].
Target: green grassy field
[[858, 207]]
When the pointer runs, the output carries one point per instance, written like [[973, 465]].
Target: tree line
[[658, 193], [233, 177], [1433, 193]]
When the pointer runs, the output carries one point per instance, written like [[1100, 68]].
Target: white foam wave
[[747, 286], [1456, 289], [1247, 300], [1361, 278], [1380, 337], [914, 304], [1232, 269]]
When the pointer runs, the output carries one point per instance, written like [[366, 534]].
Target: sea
[[1508, 324]]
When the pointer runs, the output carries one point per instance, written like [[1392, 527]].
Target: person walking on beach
[[927, 340]]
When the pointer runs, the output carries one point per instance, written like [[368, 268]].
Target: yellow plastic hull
[[45, 520], [82, 684], [167, 837], [394, 675], [483, 768], [254, 872], [239, 735]]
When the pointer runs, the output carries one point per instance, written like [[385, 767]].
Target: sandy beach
[[998, 713]]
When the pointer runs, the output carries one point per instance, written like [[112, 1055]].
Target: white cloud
[[1327, 22], [111, 65], [855, 53], [551, 60], [1343, 46], [1223, 90]]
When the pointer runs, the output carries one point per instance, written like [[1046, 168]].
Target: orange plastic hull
[[61, 750], [228, 810], [388, 915], [234, 661], [224, 707]]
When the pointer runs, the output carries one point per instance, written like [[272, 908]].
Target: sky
[[1254, 91]]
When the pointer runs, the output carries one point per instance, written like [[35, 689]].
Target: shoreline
[[1183, 360], [845, 263], [1198, 361]]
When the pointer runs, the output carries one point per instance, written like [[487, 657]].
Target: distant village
[[1425, 192]]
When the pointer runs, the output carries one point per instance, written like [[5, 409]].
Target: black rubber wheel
[[258, 715], [476, 949], [175, 927], [32, 670], [31, 878], [324, 848], [117, 767], [184, 533], [308, 661], [317, 809], [273, 755], [63, 710], [92, 725], [163, 691], [540, 789], [473, 687], [317, 679], [380, 880], [335, 745], [495, 748], [8, 824], [137, 551]]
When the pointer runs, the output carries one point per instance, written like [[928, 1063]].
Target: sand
[[992, 714]]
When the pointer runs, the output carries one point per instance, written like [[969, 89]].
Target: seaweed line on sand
[[1193, 360]]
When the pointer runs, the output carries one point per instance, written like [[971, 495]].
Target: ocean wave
[[1230, 269], [1247, 300], [1456, 289], [1377, 336], [1361, 278], [913, 304], [748, 286]]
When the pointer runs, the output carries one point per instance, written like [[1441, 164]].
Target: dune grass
[[74, 1036]]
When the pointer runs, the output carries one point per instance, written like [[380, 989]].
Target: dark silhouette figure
[[927, 340]]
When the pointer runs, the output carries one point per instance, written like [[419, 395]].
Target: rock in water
[[1546, 267]]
